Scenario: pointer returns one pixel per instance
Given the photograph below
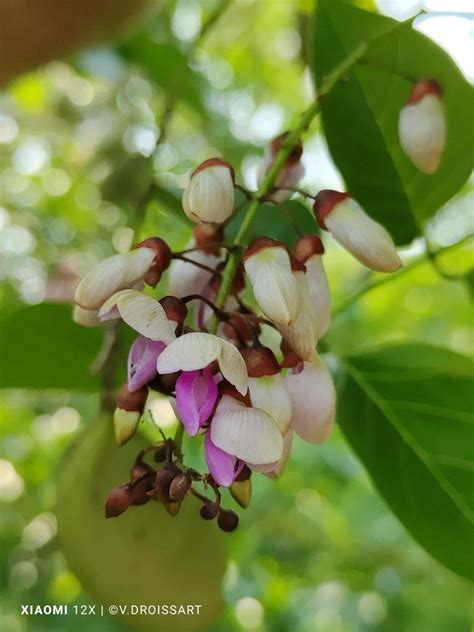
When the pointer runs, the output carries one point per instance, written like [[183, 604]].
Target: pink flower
[[196, 396]]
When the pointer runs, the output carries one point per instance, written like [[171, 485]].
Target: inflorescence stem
[[268, 182]]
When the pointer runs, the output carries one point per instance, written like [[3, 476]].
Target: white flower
[[289, 176], [278, 467], [309, 251], [267, 264], [364, 238], [111, 275], [269, 393], [422, 126], [196, 350], [313, 400], [141, 312], [301, 334], [209, 196], [186, 278], [247, 433]]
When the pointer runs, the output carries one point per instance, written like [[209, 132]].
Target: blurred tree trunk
[[33, 32]]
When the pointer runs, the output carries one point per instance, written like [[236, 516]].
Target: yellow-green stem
[[269, 181]]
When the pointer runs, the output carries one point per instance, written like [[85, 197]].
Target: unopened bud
[[119, 500], [422, 126], [289, 175], [173, 508], [241, 328], [364, 238], [141, 489], [174, 308], [209, 196], [161, 453], [163, 480], [130, 407], [241, 492], [161, 260], [180, 486], [208, 236], [228, 520], [307, 247], [209, 511]]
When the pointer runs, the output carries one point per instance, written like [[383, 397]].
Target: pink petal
[[142, 359], [196, 395], [223, 467]]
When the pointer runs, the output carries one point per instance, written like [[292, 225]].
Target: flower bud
[[208, 237], [163, 480], [140, 491], [365, 239], [180, 486], [290, 174], [241, 492], [309, 251], [240, 329], [175, 309], [209, 511], [209, 196], [422, 126], [228, 520], [130, 407], [119, 500], [173, 508], [267, 264], [161, 260]]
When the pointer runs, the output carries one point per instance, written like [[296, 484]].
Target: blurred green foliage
[[318, 549]]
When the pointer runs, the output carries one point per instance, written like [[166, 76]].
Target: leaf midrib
[[407, 438]]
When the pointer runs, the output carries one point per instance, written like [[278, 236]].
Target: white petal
[[367, 240], [280, 466], [85, 317], [422, 132], [319, 293], [141, 312], [197, 350], [102, 281], [313, 399], [289, 177], [273, 284], [186, 278], [209, 197], [138, 263], [301, 333], [247, 433], [271, 395]]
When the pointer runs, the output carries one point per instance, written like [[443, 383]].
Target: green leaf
[[407, 412], [144, 556], [277, 222], [360, 115], [43, 348]]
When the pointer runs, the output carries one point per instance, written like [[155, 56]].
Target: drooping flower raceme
[[364, 238], [422, 126]]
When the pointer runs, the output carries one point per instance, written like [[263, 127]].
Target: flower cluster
[[246, 399]]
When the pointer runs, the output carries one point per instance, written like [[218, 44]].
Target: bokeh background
[[317, 550]]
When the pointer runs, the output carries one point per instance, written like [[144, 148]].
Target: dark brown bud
[[173, 508], [228, 520], [163, 480], [225, 388], [139, 469], [296, 266], [140, 490], [174, 308], [180, 486], [207, 236], [324, 203], [260, 361], [161, 261], [119, 500], [308, 246], [241, 328], [209, 511], [132, 401], [164, 383]]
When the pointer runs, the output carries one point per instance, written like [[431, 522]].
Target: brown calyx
[[259, 243], [290, 357], [260, 361], [161, 261], [214, 162], [296, 152], [225, 388], [241, 328], [133, 401], [208, 236], [423, 88], [174, 308], [308, 246], [296, 266], [324, 203]]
